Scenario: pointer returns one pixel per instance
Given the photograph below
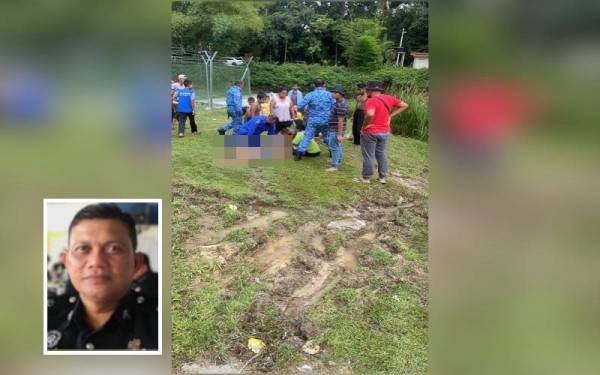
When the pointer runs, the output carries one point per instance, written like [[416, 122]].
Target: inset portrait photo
[[102, 276]]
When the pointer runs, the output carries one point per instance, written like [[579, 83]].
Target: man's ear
[[138, 261], [63, 257]]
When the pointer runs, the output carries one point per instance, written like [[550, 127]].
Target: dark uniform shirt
[[133, 325]]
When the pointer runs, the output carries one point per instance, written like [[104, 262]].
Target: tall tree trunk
[[285, 52]]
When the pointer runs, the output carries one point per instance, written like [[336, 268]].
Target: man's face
[[295, 87], [336, 95], [100, 259]]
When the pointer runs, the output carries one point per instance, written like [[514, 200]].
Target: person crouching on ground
[[336, 127], [376, 130], [186, 107], [257, 125], [313, 149]]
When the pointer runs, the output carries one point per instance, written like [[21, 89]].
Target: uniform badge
[[53, 338], [135, 344]]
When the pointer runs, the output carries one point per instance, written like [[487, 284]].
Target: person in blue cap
[[257, 125], [234, 107], [318, 102]]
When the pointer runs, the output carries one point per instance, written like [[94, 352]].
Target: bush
[[414, 121], [268, 77]]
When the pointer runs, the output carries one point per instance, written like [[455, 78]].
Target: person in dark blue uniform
[[107, 311], [257, 125]]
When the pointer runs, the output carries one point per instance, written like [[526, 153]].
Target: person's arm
[[340, 128], [398, 108], [303, 102], [239, 101], [369, 114], [272, 105]]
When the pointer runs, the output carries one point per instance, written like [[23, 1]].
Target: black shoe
[[221, 131], [297, 156]]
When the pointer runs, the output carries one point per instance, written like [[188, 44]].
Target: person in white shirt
[[282, 107]]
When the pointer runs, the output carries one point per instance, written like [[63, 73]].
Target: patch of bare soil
[[210, 234], [416, 184], [297, 268]]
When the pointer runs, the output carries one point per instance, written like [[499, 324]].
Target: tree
[[365, 53], [223, 24]]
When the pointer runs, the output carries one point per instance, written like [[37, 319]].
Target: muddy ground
[[295, 259]]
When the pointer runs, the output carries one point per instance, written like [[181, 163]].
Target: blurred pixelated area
[[81, 115], [251, 149], [514, 187]]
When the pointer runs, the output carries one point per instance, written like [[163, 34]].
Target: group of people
[[321, 113], [183, 104]]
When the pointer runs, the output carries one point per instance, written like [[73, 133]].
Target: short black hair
[[282, 88], [261, 95], [251, 99], [187, 82], [361, 85], [106, 211]]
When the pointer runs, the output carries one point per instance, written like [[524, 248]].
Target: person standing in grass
[[186, 107], [379, 111], [281, 106], [359, 113], [336, 127], [295, 95], [234, 107], [176, 85], [265, 104], [319, 102]]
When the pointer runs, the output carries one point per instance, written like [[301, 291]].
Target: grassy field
[[252, 257]]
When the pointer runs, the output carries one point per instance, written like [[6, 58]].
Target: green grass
[[381, 257], [379, 326], [374, 331], [288, 183]]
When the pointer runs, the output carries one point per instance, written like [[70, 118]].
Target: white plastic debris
[[306, 369]]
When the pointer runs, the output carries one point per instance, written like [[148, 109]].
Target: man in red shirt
[[379, 110]]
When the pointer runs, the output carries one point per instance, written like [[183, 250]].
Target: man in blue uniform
[[318, 102], [257, 125], [234, 107], [105, 310]]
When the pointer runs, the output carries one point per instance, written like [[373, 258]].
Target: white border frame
[[160, 273]]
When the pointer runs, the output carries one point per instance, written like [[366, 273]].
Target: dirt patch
[[209, 236], [416, 184]]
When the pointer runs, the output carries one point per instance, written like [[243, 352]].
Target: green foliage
[[414, 121], [365, 53], [268, 77], [291, 30], [223, 24]]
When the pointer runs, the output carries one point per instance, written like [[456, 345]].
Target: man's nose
[[97, 257]]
